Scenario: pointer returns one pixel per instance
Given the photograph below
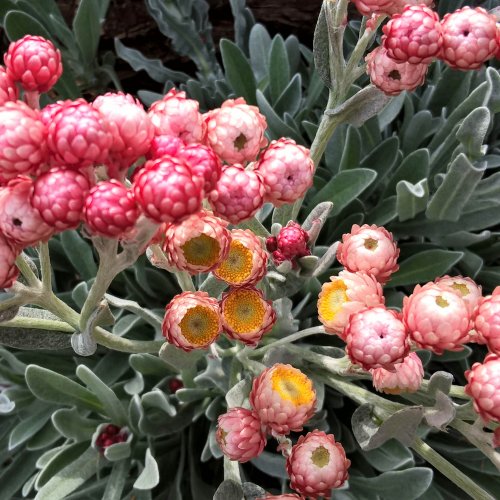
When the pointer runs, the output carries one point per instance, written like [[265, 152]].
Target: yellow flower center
[[244, 311], [441, 302], [291, 384], [237, 266], [460, 287], [371, 244], [332, 298], [200, 325], [320, 457], [202, 250]]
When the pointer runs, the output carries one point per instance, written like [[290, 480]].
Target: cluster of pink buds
[[290, 244], [415, 36], [282, 400], [110, 435], [68, 163]]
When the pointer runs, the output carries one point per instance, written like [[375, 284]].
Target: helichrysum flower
[[239, 435], [344, 295], [284, 399], [376, 338], [436, 319], [235, 131], [246, 261], [488, 321], [484, 387], [197, 244], [178, 116], [406, 377], [370, 249], [317, 464], [192, 321], [246, 315]]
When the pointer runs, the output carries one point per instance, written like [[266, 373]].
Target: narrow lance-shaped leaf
[[411, 198], [455, 191], [424, 266]]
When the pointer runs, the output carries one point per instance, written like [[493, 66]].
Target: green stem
[[38, 324], [105, 275], [456, 391], [315, 330], [134, 307], [45, 267], [478, 439], [185, 281], [360, 395], [112, 341], [25, 268], [450, 471]]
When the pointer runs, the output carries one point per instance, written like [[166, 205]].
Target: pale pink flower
[[469, 38], [484, 387], [317, 464], [437, 319], [110, 210], [406, 377], [283, 398], [246, 314], [376, 338], [286, 496], [178, 116], [487, 321], [167, 191], [34, 62], [78, 136], [8, 269], [370, 249], [192, 321], [198, 244], [344, 295], [287, 171], [246, 262], [204, 163], [23, 148], [130, 127], [414, 36], [235, 131], [8, 89], [238, 194], [19, 221], [239, 434], [59, 196], [162, 145], [392, 77], [465, 288]]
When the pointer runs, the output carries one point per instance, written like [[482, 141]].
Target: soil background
[[129, 21]]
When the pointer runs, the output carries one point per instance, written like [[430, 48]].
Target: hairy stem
[[477, 438], [315, 330], [38, 324], [45, 267], [25, 268], [450, 471], [185, 281]]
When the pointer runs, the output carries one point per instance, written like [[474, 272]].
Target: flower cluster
[[415, 36], [282, 400], [441, 315], [68, 164]]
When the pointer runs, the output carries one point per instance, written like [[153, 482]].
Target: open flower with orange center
[[246, 261], [246, 315], [192, 321], [284, 399], [344, 295], [197, 244]]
